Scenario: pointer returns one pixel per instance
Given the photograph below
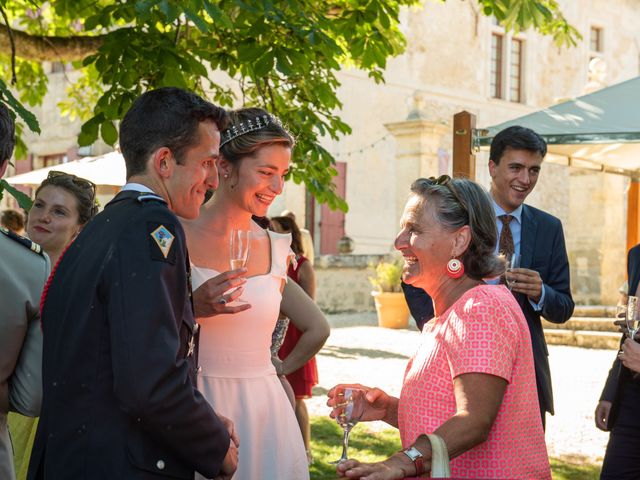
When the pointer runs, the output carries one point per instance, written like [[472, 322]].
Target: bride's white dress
[[240, 382]]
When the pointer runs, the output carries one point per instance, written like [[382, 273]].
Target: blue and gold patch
[[162, 238]]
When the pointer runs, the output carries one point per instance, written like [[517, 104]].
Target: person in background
[[239, 377], [305, 235], [63, 205], [419, 303], [472, 378], [542, 284], [302, 380], [617, 410], [120, 340], [24, 268], [13, 220]]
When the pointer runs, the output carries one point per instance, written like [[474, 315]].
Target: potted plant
[[391, 305]]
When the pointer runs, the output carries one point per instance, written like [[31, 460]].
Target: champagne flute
[[633, 316], [239, 243], [348, 411], [513, 261]]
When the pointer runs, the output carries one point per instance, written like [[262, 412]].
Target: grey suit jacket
[[23, 272]]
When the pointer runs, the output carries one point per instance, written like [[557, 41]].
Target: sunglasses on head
[[445, 181], [441, 180], [79, 181]]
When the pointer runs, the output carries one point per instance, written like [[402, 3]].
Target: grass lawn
[[368, 446]]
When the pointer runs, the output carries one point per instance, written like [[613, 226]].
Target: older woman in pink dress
[[471, 380]]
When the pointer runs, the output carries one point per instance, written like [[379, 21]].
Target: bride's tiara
[[247, 126]]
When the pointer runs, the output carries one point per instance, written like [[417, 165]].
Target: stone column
[[417, 144]]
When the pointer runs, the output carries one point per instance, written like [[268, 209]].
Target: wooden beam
[[464, 160], [633, 212]]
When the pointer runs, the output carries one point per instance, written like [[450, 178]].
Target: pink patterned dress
[[483, 332]]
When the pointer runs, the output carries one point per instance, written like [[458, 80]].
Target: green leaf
[[28, 117], [197, 20], [89, 130], [92, 22], [22, 198], [263, 65], [171, 12], [108, 132], [217, 14], [250, 51]]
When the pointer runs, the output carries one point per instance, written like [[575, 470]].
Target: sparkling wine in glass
[[513, 261], [348, 410], [239, 243], [633, 316], [239, 246]]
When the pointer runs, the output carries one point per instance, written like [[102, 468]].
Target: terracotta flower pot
[[392, 308]]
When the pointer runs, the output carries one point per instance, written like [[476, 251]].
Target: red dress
[[303, 379]]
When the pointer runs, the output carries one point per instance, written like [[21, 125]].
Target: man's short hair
[[7, 134], [165, 117], [516, 138]]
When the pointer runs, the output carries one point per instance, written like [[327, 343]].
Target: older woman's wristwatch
[[416, 457]]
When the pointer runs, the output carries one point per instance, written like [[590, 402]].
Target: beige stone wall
[[343, 282]]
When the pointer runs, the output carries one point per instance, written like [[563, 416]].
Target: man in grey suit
[[23, 271]]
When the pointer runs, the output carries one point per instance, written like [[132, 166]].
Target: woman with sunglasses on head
[[472, 379], [63, 205], [237, 375]]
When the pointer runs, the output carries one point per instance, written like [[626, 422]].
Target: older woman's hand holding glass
[[472, 379]]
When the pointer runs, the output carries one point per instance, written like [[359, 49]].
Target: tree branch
[[49, 48]]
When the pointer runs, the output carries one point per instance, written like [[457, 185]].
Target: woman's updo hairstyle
[[249, 130], [456, 202]]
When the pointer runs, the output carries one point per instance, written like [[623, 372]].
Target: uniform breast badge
[[163, 238]]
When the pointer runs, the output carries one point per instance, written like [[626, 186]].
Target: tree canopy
[[282, 55]]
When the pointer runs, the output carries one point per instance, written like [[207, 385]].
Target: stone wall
[[342, 282]]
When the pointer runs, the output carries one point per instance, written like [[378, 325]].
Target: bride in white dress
[[237, 375]]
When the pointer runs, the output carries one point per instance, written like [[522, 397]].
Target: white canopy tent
[[107, 169]]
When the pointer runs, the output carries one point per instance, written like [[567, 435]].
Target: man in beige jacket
[[23, 271]]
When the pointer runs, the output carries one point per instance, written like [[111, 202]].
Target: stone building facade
[[451, 65]]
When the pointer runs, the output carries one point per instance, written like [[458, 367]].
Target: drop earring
[[455, 268]]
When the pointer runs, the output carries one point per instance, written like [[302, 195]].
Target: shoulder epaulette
[[33, 246], [147, 196]]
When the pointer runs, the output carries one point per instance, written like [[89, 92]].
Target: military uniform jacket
[[23, 270], [119, 372]]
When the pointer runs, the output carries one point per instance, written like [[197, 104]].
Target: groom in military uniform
[[120, 340], [23, 270]]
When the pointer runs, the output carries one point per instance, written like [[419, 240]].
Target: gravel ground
[[359, 351]]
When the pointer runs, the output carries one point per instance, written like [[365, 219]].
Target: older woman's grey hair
[[457, 202]]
